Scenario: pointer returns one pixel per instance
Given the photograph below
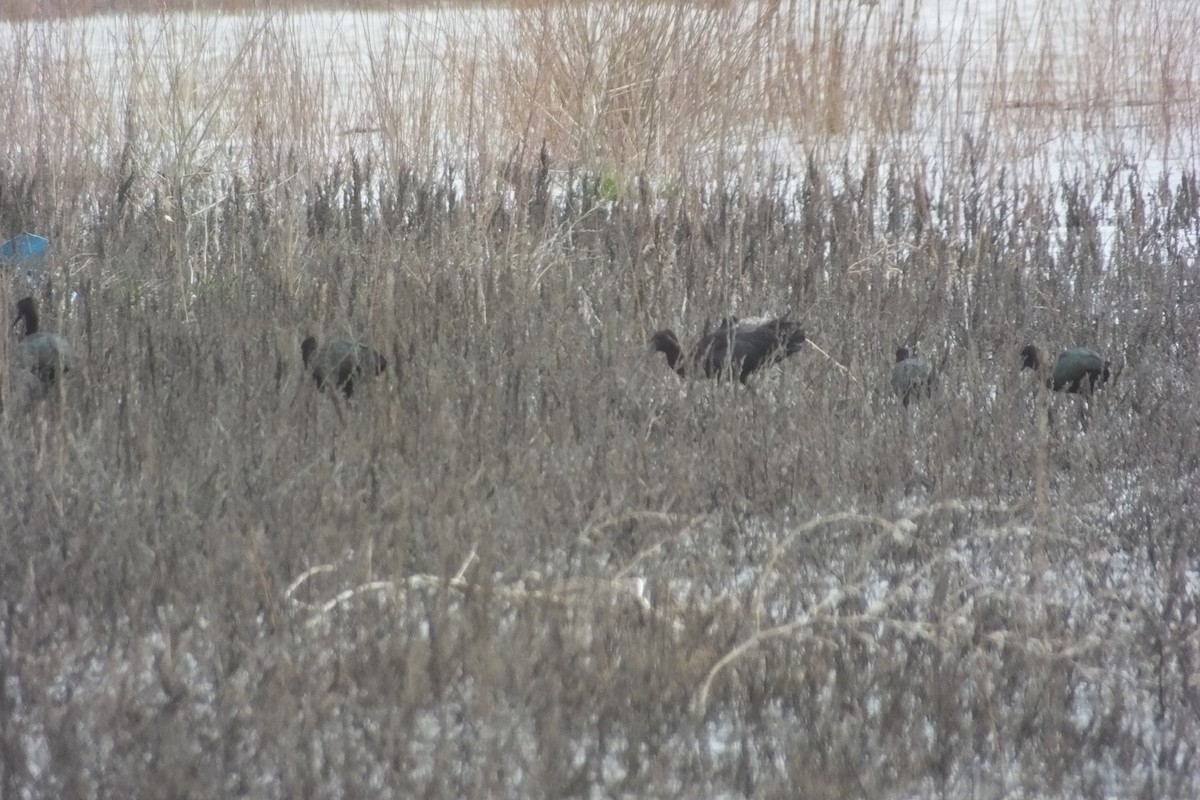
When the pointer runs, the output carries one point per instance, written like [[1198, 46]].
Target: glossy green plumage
[[341, 362], [912, 376], [733, 349], [46, 355], [1074, 366], [1076, 369]]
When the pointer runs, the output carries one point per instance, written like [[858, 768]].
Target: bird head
[[307, 348], [795, 340], [1031, 357], [27, 313], [665, 341]]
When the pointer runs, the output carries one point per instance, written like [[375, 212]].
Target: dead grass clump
[[522, 564]]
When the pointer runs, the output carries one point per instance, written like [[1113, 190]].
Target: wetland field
[[528, 560]]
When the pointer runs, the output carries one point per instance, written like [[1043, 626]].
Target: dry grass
[[526, 563], [518, 565], [621, 88]]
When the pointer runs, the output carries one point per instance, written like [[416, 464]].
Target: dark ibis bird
[[46, 355], [341, 362], [1078, 369], [733, 348], [912, 376]]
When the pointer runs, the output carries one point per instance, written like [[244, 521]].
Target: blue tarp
[[24, 247]]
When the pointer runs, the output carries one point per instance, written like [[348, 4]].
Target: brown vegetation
[[514, 565], [208, 573]]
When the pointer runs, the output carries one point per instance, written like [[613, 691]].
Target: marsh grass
[[527, 561], [518, 564]]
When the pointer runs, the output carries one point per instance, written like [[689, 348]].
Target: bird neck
[[307, 348], [675, 359], [668, 345]]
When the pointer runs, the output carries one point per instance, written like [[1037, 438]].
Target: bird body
[[46, 355], [341, 362], [733, 349], [1077, 369], [912, 375]]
